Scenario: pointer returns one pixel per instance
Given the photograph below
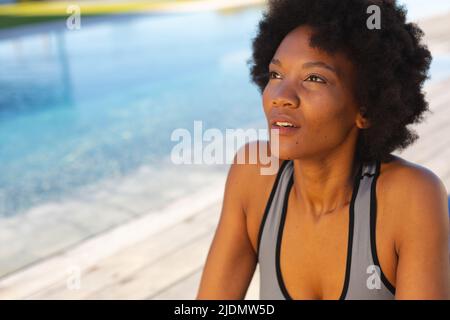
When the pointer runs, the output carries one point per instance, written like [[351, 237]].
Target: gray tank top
[[364, 278]]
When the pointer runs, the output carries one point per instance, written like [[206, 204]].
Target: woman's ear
[[362, 122]]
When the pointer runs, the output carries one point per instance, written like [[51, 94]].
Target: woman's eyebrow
[[276, 62], [309, 65], [319, 64]]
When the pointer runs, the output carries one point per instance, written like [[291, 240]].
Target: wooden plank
[[124, 265], [169, 270], [436, 32], [433, 146], [188, 288], [185, 289], [46, 274]]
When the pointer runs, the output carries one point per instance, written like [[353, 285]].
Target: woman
[[343, 218]]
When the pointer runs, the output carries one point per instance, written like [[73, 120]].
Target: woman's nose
[[286, 98], [282, 102]]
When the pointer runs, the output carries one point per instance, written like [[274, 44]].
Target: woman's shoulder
[[254, 160], [255, 170], [252, 185], [402, 176], [412, 194]]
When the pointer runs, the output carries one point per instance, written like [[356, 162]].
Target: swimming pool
[[80, 106]]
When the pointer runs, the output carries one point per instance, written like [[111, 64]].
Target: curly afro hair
[[391, 62]]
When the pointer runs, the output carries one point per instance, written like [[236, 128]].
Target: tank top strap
[[272, 213], [268, 234], [365, 276]]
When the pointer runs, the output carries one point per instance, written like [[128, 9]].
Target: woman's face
[[313, 91]]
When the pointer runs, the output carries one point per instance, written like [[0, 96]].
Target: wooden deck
[[167, 264]]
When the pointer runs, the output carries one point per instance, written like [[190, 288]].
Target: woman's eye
[[315, 78], [272, 74], [312, 78]]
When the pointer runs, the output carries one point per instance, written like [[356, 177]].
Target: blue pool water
[[80, 106]]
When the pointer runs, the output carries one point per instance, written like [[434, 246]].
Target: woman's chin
[[288, 153]]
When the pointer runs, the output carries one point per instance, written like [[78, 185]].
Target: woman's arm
[[231, 260], [423, 248]]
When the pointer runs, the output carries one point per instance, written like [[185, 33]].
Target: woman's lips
[[285, 131]]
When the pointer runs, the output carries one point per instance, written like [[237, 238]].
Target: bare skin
[[412, 218]]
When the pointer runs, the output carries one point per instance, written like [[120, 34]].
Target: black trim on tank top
[[351, 230], [269, 204], [349, 242], [279, 237], [373, 222], [368, 174]]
